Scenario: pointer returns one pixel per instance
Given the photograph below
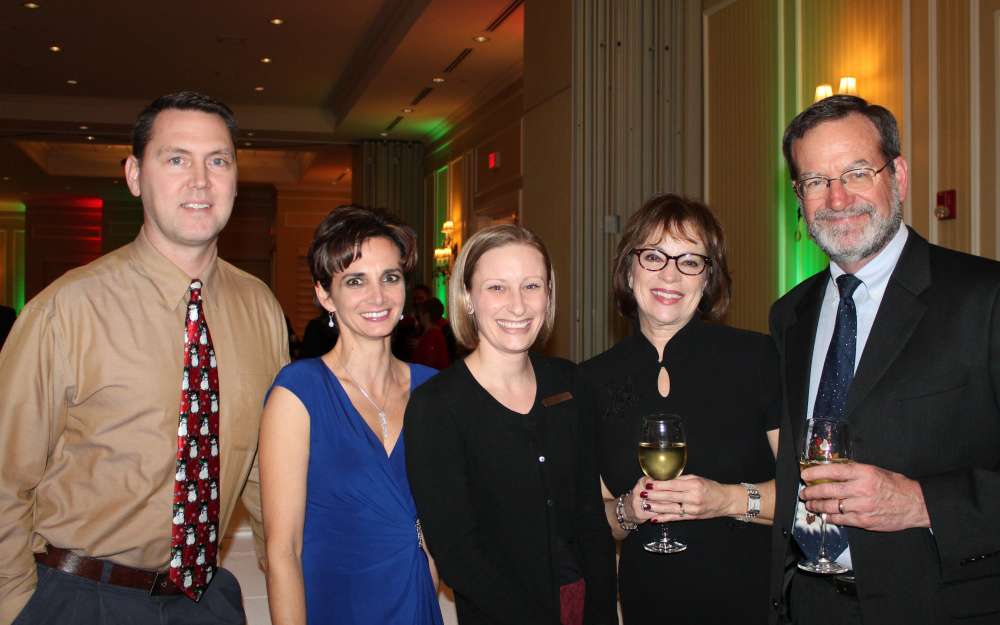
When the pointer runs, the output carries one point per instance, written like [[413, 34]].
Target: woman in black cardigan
[[501, 452]]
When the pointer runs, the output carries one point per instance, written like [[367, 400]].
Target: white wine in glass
[[826, 441], [662, 456]]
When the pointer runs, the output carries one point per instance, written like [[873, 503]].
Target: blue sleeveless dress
[[360, 558]]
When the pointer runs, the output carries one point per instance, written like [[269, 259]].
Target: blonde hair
[[459, 307]]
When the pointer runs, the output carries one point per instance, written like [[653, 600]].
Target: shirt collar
[[169, 279], [875, 274]]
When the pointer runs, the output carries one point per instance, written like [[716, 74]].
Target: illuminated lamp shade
[[848, 86], [442, 261], [823, 91]]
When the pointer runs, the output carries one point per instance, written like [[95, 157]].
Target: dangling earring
[[332, 322]]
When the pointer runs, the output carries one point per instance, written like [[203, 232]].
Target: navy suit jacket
[[924, 403]]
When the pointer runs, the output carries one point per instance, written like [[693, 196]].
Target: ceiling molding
[[392, 25]]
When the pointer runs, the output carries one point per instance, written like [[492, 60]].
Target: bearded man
[[909, 333]]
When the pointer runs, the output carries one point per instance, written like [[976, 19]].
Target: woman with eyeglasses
[[670, 278]]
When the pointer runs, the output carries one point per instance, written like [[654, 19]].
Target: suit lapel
[[799, 341], [897, 318]]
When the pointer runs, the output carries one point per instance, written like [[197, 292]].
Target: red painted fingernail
[[644, 494], [655, 520], [649, 486], [645, 505]]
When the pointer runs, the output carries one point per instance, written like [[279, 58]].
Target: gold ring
[[681, 515], [840, 506]]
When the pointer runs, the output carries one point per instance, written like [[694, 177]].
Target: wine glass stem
[[666, 537], [822, 539]]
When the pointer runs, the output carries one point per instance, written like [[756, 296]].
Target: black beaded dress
[[724, 385]]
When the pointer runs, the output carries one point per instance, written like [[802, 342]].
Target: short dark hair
[[142, 131], [433, 307], [460, 317], [683, 218], [423, 287], [339, 237], [838, 107]]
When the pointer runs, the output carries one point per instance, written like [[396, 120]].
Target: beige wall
[[300, 208], [741, 139], [931, 62], [548, 132]]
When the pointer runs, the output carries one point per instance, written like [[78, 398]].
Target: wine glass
[[662, 456], [826, 441]]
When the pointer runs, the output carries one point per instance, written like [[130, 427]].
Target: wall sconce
[[823, 91], [442, 262], [445, 255], [848, 86]]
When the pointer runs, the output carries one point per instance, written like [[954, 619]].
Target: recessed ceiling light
[[348, 169], [258, 88], [71, 82], [277, 22], [55, 49], [90, 137], [438, 80], [265, 60], [481, 39], [30, 5], [249, 134], [407, 110], [6, 177], [83, 128], [384, 134], [247, 144]]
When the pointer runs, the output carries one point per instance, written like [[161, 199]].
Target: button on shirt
[[90, 387], [874, 278]]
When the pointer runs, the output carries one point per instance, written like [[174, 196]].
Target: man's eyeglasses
[[854, 180], [652, 259]]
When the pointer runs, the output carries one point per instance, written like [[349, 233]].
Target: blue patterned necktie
[[831, 399]]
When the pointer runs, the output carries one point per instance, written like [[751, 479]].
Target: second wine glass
[[662, 456], [826, 441]]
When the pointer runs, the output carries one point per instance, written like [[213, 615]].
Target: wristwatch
[[753, 503]]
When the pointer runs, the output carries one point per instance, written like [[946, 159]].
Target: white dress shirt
[[874, 278]]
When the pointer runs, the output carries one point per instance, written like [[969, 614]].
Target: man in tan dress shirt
[[90, 389]]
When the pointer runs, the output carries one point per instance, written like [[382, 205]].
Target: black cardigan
[[493, 493]]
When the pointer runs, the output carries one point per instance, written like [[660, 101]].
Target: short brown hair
[[683, 218], [490, 238], [339, 237], [142, 131]]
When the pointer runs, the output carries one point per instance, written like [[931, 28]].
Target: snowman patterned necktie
[[194, 538]]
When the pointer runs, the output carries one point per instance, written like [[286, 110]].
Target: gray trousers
[[69, 600]]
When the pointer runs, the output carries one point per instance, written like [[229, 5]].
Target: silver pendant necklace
[[381, 411]]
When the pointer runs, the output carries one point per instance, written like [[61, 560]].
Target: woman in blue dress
[[342, 538]]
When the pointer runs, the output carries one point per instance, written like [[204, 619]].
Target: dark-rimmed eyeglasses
[[854, 180], [652, 259]]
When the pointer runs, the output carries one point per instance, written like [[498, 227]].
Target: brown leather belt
[[93, 569]]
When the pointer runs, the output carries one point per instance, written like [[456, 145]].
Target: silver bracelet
[[753, 503], [628, 527]]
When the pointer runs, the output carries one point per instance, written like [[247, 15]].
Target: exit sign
[[493, 160]]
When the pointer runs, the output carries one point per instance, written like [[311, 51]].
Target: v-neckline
[[496, 402], [372, 434]]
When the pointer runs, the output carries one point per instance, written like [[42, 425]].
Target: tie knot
[[195, 285], [848, 283]]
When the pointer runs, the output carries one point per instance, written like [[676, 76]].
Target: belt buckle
[[161, 582], [845, 584]]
